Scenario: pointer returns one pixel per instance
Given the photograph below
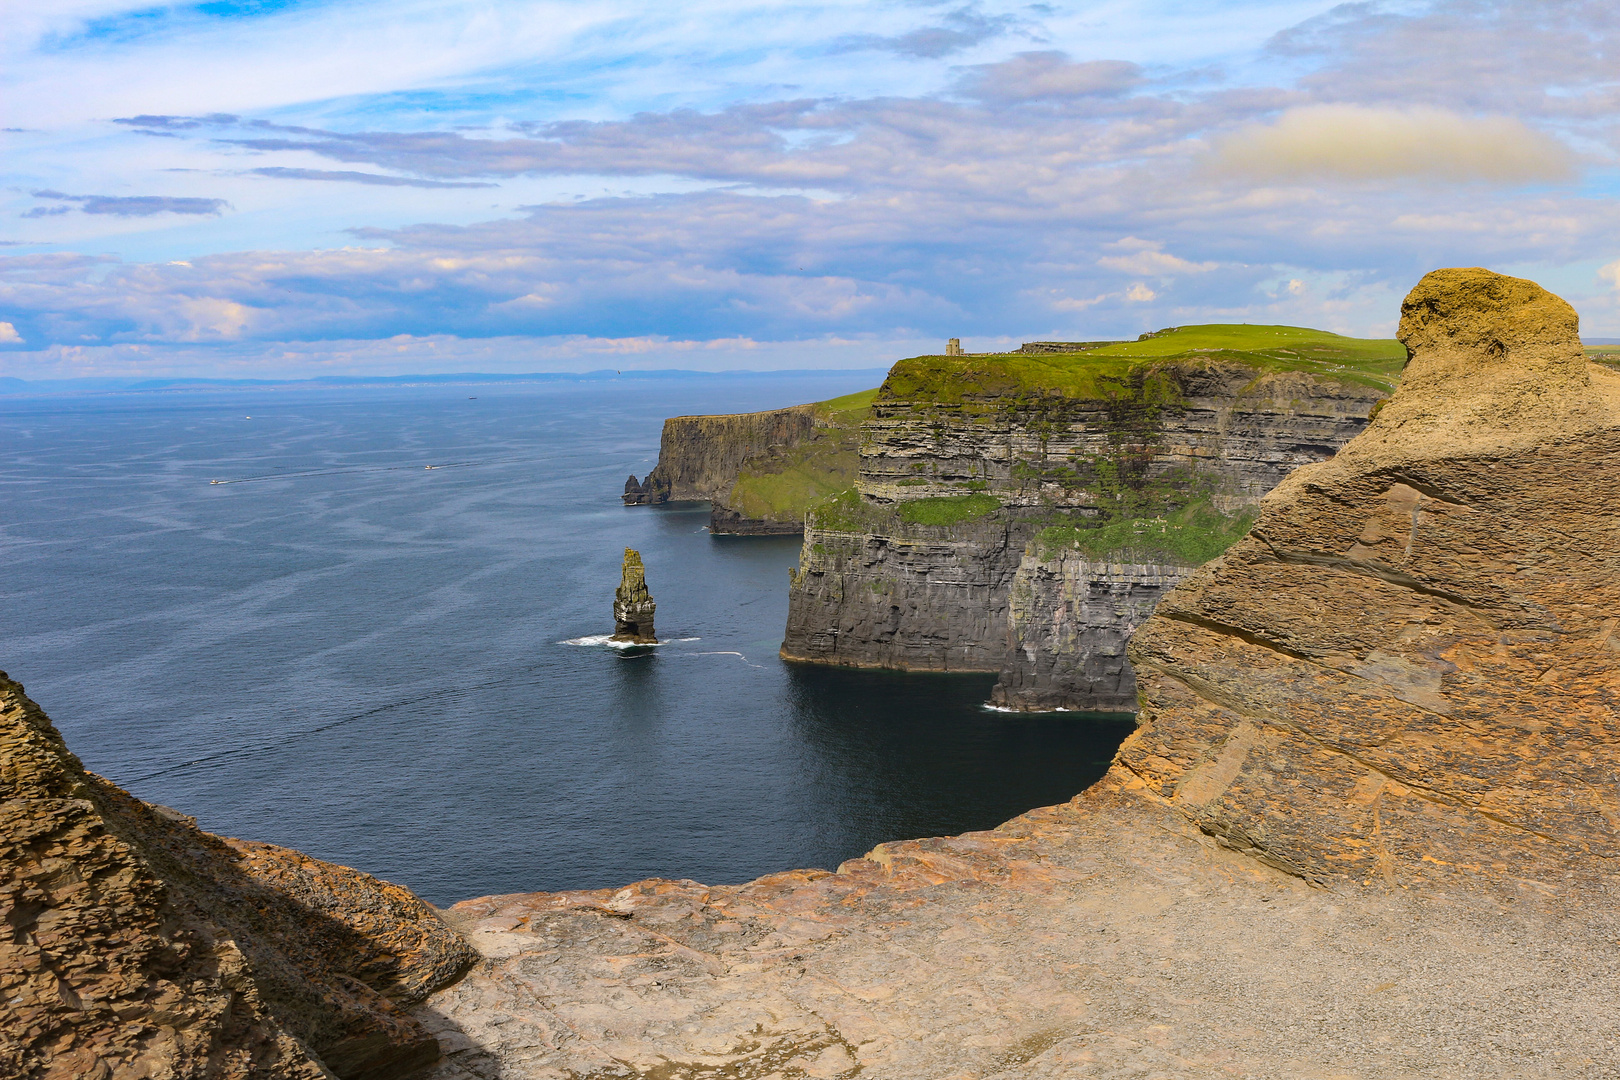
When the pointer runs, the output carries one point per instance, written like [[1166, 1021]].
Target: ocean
[[340, 649]]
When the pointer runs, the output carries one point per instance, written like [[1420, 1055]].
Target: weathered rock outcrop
[[873, 589], [140, 946], [1419, 635], [1368, 826], [633, 606], [1069, 618]]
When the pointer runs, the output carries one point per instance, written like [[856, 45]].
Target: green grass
[[848, 410], [1089, 375], [1608, 355], [1247, 337], [842, 512], [782, 488], [948, 509], [1190, 536]]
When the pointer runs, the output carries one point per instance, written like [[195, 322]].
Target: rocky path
[[1095, 939]]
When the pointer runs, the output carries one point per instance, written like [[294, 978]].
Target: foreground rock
[[633, 606], [140, 946], [1368, 827], [1419, 635]]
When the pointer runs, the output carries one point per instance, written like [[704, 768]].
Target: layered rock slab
[[140, 946], [1366, 828], [1410, 667], [633, 606]]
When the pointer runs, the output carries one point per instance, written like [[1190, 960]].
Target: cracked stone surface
[[139, 947], [1367, 827]]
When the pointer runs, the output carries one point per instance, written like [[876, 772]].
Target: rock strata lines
[[139, 946]]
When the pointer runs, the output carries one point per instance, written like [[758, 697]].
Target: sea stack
[[632, 604]]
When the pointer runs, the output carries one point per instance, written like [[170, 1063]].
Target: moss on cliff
[[849, 410], [1190, 536], [948, 509], [782, 486]]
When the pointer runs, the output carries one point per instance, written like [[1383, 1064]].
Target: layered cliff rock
[[1069, 618], [140, 946], [1419, 635], [967, 463], [758, 470], [1367, 828], [699, 456]]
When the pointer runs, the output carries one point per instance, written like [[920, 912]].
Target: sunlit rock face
[[140, 946], [1409, 667]]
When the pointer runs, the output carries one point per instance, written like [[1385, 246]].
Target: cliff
[[141, 946], [1069, 618], [1142, 454], [1367, 827], [758, 470], [699, 456], [1420, 633]]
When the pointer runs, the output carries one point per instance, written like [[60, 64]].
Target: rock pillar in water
[[632, 604]]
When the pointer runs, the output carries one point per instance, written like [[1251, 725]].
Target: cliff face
[[936, 431], [914, 597], [141, 946], [758, 470], [1367, 828], [878, 586], [1068, 620], [699, 456], [1419, 634]]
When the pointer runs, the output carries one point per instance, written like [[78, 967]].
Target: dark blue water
[[364, 658]]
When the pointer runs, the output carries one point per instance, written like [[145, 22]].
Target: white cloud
[[1068, 303], [1611, 274], [1356, 142], [1145, 257], [659, 184], [9, 335]]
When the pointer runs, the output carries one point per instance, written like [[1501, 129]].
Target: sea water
[[403, 669]]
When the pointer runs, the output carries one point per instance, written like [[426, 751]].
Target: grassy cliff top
[[1371, 362], [847, 410], [1604, 354]]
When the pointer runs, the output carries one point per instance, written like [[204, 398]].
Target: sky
[[288, 188]]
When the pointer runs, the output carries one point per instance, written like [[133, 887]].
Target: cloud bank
[[1359, 142], [990, 175]]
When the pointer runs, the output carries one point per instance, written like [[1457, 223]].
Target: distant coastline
[[14, 387]]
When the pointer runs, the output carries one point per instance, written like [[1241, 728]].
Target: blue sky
[[295, 187]]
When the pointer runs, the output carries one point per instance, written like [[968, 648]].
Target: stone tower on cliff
[[633, 605]]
